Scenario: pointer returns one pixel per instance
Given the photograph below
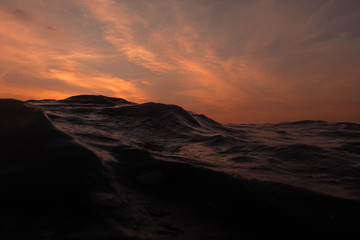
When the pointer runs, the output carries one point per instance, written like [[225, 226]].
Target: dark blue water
[[171, 173]]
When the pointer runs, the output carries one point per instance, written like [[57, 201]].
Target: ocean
[[94, 167]]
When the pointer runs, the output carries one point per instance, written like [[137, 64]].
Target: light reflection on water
[[316, 155]]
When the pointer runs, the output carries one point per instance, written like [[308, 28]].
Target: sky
[[236, 61]]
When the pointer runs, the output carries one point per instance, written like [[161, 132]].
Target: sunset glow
[[235, 61]]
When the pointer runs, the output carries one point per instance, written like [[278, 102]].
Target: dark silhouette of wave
[[39, 163], [94, 167], [94, 99]]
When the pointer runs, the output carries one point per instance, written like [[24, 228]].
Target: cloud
[[52, 61], [22, 16], [237, 61], [176, 48]]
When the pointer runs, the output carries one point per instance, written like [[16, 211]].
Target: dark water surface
[[94, 167]]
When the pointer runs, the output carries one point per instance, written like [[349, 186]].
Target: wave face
[[170, 168], [316, 155]]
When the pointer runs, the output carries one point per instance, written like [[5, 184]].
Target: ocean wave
[[39, 163], [157, 171]]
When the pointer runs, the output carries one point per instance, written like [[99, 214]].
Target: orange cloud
[[36, 60], [249, 61], [167, 52]]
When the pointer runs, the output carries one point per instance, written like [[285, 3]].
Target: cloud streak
[[237, 61], [49, 62]]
